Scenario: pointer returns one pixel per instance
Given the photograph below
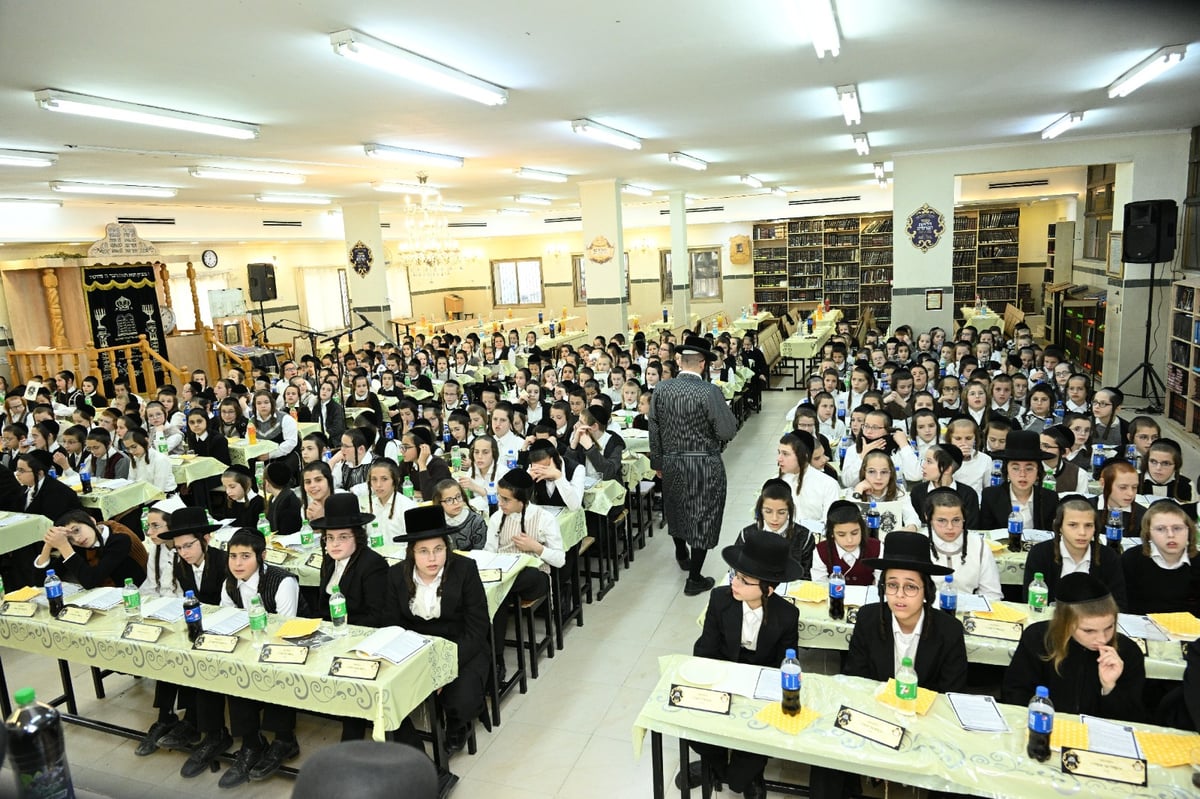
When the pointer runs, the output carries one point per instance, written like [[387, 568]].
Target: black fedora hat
[[189, 521], [373, 768], [342, 511], [1080, 587], [906, 550], [1023, 445], [423, 522], [762, 555], [697, 346]]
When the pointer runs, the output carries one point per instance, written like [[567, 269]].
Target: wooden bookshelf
[[1083, 334], [1060, 252], [997, 256], [1183, 356]]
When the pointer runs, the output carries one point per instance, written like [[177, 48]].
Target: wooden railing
[[25, 364], [217, 349]]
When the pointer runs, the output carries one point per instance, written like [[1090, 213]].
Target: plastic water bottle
[[841, 409], [1041, 725], [493, 499], [192, 616], [145, 519], [263, 526], [132, 599], [54, 592], [883, 384], [85, 479], [791, 678], [1060, 412], [873, 520], [306, 535], [1039, 595], [900, 481], [446, 436], [258, 622], [1097, 458], [337, 611], [948, 596], [997, 472], [1016, 529], [510, 458], [665, 315], [1050, 482], [53, 473], [406, 488], [906, 688], [376, 539], [388, 432], [36, 749], [843, 447], [161, 443], [260, 469], [456, 459], [1114, 530], [837, 594], [1131, 455]]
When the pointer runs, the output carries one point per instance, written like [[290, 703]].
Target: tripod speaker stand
[[1153, 387]]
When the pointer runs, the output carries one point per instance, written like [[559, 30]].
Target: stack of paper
[[395, 644], [226, 621], [1111, 738], [978, 713], [69, 590], [165, 608], [1140, 627], [494, 560], [98, 598], [861, 595]]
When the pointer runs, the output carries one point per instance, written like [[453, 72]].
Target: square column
[[604, 257]]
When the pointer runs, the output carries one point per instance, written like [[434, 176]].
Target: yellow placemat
[[23, 594], [997, 547], [773, 714], [1182, 624], [1000, 613], [1167, 749], [925, 697], [809, 592], [1070, 732], [298, 628]]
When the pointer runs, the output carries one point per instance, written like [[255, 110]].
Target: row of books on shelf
[[876, 276], [964, 258], [995, 219], [841, 240], [806, 240], [963, 274], [998, 236], [880, 225], [875, 240], [998, 251], [877, 258], [964, 241], [1185, 298], [875, 294]]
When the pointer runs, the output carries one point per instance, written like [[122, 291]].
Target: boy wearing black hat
[[1022, 486], [282, 506]]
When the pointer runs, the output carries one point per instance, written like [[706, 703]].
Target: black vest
[[269, 580]]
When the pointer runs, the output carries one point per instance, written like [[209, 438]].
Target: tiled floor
[[575, 722]]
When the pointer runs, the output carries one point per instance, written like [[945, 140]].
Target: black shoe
[[757, 789], [239, 772], [692, 775], [205, 755], [694, 587], [501, 674], [149, 743], [456, 740], [684, 561], [181, 736], [273, 758]]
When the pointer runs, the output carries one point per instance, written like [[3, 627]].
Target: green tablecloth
[[111, 502], [304, 428], [936, 752], [572, 337], [803, 347], [385, 701], [21, 529], [604, 496], [572, 526], [189, 469], [240, 451], [635, 469], [636, 440], [752, 322]]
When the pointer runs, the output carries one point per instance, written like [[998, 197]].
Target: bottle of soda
[[54, 593], [1060, 411], [251, 434], [1097, 459], [493, 499], [192, 616], [376, 539], [306, 535], [85, 479], [1050, 482], [37, 751], [263, 527], [948, 596], [997, 472], [906, 688], [388, 432], [837, 594], [456, 459], [446, 436], [1114, 530], [1016, 529], [337, 611], [1041, 725], [791, 678], [1039, 594], [845, 445], [900, 481], [1131, 455], [407, 488], [258, 622], [510, 458], [841, 409], [132, 599], [873, 520]]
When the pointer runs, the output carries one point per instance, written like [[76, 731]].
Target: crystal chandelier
[[426, 247]]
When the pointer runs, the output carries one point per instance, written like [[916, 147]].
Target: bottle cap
[[1038, 576], [25, 696], [837, 569], [906, 663], [189, 594], [49, 572], [949, 578], [1043, 692], [1016, 509], [333, 589], [129, 581], [790, 653]]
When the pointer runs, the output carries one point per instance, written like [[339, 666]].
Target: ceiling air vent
[[386, 225], [466, 224], [702, 209], [145, 220], [280, 223], [553, 220], [823, 200], [1018, 184]]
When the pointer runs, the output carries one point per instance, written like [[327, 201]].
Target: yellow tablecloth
[[804, 347], [635, 469], [981, 321], [21, 529], [304, 428], [636, 440], [385, 701], [604, 496], [752, 322], [112, 502], [190, 468], [936, 753], [572, 337], [242, 452]]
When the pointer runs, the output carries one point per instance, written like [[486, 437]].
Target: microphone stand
[[335, 339], [372, 325]]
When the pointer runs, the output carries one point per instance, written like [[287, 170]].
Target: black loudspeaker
[[1149, 232], [262, 282]]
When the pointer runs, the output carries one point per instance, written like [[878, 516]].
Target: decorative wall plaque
[[601, 250], [925, 227]]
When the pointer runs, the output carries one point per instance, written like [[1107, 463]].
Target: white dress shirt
[[426, 603], [751, 622], [287, 598], [905, 644], [1070, 565]]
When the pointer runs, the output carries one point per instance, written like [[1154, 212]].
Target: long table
[[112, 502], [935, 753], [21, 529], [189, 468]]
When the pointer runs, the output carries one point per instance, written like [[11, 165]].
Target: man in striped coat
[[690, 423]]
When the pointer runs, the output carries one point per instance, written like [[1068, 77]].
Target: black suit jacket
[[607, 462], [941, 659], [721, 637], [1106, 568], [214, 445], [53, 499], [464, 618], [215, 572], [996, 505], [969, 497], [363, 583], [285, 513], [12, 493], [333, 421]]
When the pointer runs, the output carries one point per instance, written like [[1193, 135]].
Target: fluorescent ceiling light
[[451, 208], [531, 199], [293, 199], [689, 161], [512, 212], [413, 156], [114, 189], [751, 181], [1148, 70], [640, 191], [1062, 124], [779, 191], [861, 144], [396, 187], [540, 174], [878, 170], [848, 97], [29, 201], [823, 25], [102, 108], [603, 133], [26, 158], [377, 53], [249, 175]]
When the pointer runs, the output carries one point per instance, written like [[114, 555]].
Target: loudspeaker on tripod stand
[[1149, 232], [262, 282]]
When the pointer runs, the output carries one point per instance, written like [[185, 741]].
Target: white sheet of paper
[[1110, 737], [13, 518], [69, 590], [973, 603], [395, 644], [291, 541], [978, 713], [741, 679], [226, 621], [770, 685], [99, 598], [861, 595], [1140, 627], [1130, 543], [115, 482], [165, 608], [493, 560]]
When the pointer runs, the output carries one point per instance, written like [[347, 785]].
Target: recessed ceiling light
[[1162, 60], [413, 156], [640, 191], [248, 175], [294, 199], [540, 174], [1062, 124], [848, 97], [603, 133], [115, 189], [26, 158], [751, 181], [862, 144], [103, 108], [689, 161]]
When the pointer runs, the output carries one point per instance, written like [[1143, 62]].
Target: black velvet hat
[[762, 555], [423, 522], [1080, 587], [342, 512], [907, 550], [697, 346], [188, 521]]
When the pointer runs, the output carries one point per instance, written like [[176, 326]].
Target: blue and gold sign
[[361, 258], [925, 227]]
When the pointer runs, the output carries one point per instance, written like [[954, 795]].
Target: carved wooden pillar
[[58, 331], [164, 277], [191, 276]]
